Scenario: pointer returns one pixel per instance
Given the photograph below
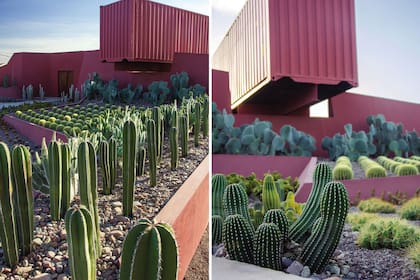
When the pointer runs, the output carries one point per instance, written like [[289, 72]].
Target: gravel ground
[[199, 266], [49, 258]]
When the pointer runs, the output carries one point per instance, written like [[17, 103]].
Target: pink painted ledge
[[188, 213], [33, 132]]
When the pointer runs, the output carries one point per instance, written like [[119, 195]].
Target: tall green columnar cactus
[[173, 140], [235, 201], [129, 166], [150, 252], [218, 185], [8, 233], [183, 131], [237, 237], [278, 217], [267, 243], [197, 123], [141, 160], [86, 164], [205, 117], [105, 163], [159, 132], [301, 229], [81, 243], [270, 196], [113, 159], [152, 147], [66, 178], [216, 229], [328, 228], [22, 193], [55, 179]]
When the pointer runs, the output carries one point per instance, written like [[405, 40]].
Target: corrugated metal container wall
[[116, 29], [244, 52], [313, 41], [141, 30], [309, 41]]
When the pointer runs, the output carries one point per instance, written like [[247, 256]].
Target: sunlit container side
[[307, 41], [146, 31]]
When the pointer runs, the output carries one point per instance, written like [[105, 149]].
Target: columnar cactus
[[159, 132], [277, 217], [235, 201], [173, 141], [327, 230], [8, 233], [55, 179], [105, 163], [22, 192], [237, 236], [81, 243], [257, 217], [141, 160], [205, 117], [150, 252], [183, 131], [270, 196], [197, 123], [152, 150], [86, 164], [113, 159], [301, 229], [216, 229], [267, 243], [66, 178], [218, 185], [129, 166]]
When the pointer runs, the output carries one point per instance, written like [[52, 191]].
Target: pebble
[[295, 268], [221, 252], [334, 269], [286, 262], [345, 269], [62, 277], [37, 241], [306, 272], [43, 276]]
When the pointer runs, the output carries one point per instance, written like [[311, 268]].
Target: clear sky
[[387, 38], [59, 25]]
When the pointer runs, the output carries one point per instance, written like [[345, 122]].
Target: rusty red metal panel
[[141, 30], [306, 41]]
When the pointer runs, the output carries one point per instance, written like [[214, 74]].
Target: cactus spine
[[277, 217], [183, 130], [267, 242], [112, 143], [150, 252], [301, 229], [105, 162], [55, 179], [8, 233], [22, 192], [152, 150], [66, 178], [218, 185], [173, 140], [197, 123], [86, 163], [270, 196], [129, 166], [81, 243], [327, 230], [216, 229], [235, 201], [237, 236]]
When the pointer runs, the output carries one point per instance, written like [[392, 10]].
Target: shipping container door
[[65, 80]]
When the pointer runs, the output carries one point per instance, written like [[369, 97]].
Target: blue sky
[[388, 44], [59, 25]]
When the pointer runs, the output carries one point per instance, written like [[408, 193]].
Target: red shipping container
[[310, 42], [145, 31]]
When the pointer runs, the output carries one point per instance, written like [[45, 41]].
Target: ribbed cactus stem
[[197, 123], [129, 166], [267, 246], [66, 178], [150, 252], [205, 118], [159, 132], [141, 161], [86, 163], [327, 230], [235, 201], [216, 229], [183, 131], [270, 196], [105, 163], [173, 141], [218, 185], [237, 236], [55, 179], [81, 243], [113, 161], [301, 229], [8, 232], [278, 217], [151, 151]]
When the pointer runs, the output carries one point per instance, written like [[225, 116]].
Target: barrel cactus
[[237, 236], [216, 229], [235, 201], [267, 246], [277, 217]]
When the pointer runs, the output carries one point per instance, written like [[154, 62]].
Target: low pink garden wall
[[33, 132], [10, 92]]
